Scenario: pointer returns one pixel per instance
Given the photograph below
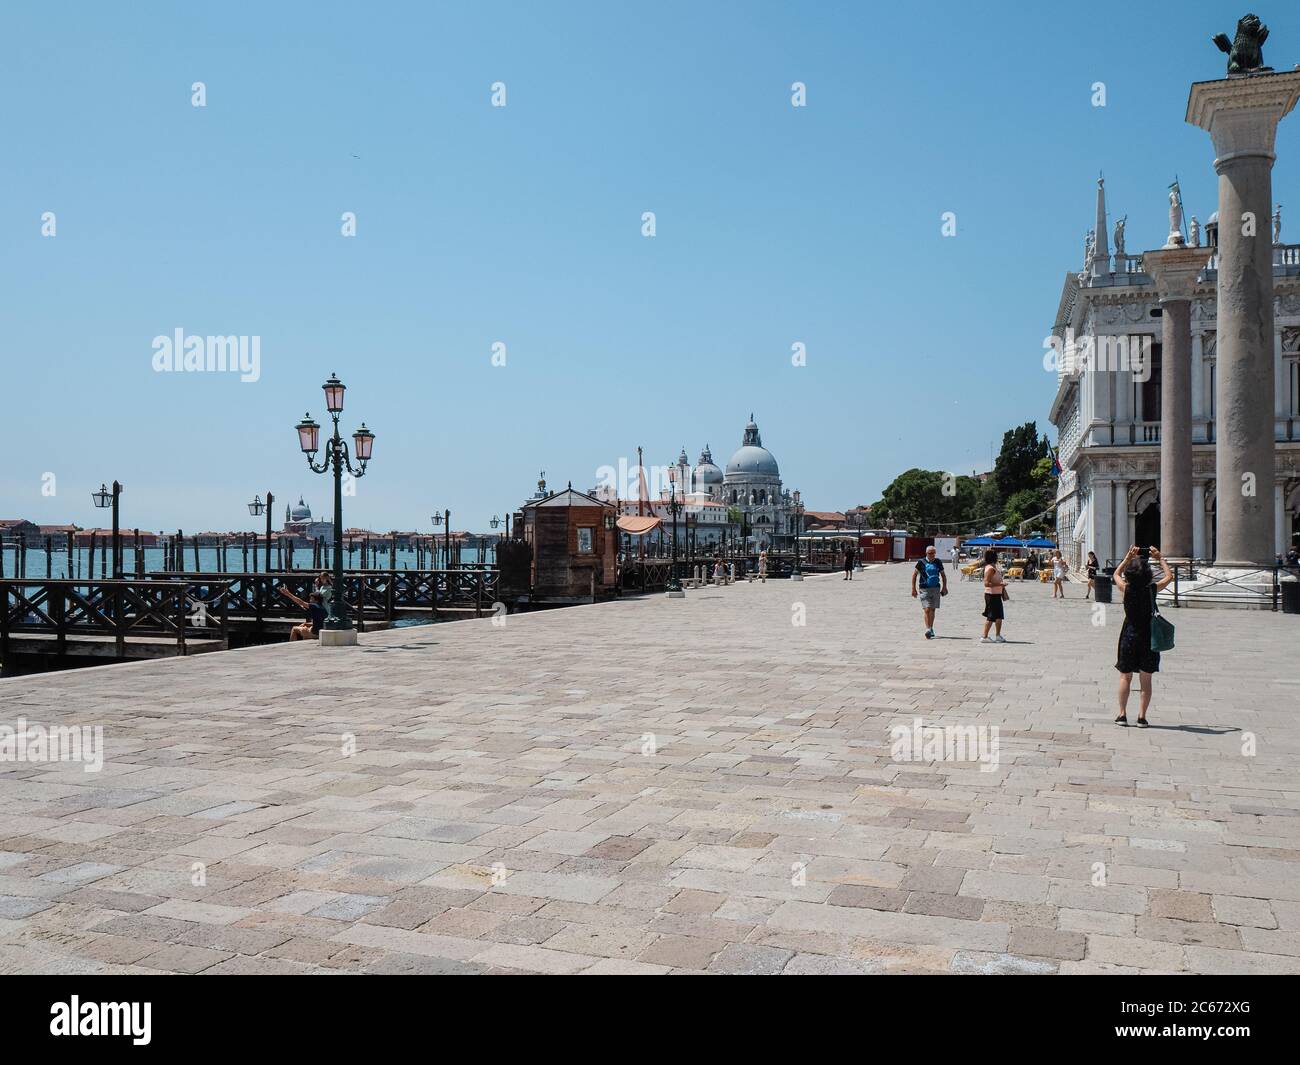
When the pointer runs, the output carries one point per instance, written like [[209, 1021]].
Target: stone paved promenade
[[499, 814]]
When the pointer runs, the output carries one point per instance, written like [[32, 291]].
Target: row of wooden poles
[[250, 551]]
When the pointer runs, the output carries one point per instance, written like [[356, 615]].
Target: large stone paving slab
[[651, 786]]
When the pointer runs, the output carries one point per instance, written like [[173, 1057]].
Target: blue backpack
[[929, 572]]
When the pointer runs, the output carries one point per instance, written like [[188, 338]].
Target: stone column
[[1198, 519], [1198, 383], [1281, 541], [1103, 521], [1175, 270], [1241, 113]]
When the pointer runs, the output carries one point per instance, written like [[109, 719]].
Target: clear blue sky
[[523, 225]]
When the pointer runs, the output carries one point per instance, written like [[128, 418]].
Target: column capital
[[1175, 270], [1241, 112]]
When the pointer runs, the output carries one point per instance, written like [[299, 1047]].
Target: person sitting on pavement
[[315, 608]]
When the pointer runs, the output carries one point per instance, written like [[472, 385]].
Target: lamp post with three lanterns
[[337, 631]]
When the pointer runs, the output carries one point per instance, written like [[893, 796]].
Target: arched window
[[762, 496]]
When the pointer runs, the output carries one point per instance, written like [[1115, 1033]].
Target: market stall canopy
[[637, 524]]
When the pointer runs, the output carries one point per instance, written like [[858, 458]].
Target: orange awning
[[638, 525]]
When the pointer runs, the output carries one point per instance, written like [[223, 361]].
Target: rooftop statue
[[1119, 235], [1175, 216], [1245, 51]]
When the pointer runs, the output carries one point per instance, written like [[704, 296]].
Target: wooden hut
[[574, 548]]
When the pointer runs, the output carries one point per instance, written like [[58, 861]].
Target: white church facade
[[1106, 350]]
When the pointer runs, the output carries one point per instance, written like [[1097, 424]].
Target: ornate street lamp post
[[255, 508], [674, 585], [337, 630], [797, 575], [108, 497]]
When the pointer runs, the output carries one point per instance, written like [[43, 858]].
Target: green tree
[[1022, 506], [1022, 450], [927, 498]]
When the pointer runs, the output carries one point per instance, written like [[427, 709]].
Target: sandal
[[1122, 720]]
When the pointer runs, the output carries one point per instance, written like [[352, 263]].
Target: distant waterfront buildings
[[747, 498]]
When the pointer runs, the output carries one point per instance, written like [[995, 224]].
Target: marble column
[[1241, 113], [1280, 539], [1103, 521], [1175, 270], [1198, 519], [1198, 379]]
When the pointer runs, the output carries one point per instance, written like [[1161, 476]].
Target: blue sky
[[522, 225]]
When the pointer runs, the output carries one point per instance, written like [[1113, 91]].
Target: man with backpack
[[929, 584]]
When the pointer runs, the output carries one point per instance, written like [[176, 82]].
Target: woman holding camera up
[[1137, 582]]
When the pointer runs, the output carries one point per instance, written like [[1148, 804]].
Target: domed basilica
[[751, 485]]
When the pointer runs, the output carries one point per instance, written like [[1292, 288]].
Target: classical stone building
[[1107, 409], [299, 524], [750, 485]]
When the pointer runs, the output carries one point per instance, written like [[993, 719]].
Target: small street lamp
[[797, 575], [337, 630], [674, 585], [256, 508], [440, 519], [108, 497], [857, 521]]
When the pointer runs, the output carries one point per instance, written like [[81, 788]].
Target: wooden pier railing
[[150, 612], [372, 595], [651, 574], [168, 612]]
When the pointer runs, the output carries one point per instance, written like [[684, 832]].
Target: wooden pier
[[57, 624]]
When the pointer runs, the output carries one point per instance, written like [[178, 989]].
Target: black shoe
[[1142, 723], [1122, 720]]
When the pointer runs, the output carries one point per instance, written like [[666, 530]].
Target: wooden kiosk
[[574, 545]]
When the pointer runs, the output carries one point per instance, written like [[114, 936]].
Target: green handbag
[[1162, 631]]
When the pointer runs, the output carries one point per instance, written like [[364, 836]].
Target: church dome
[[302, 512], [752, 458], [707, 475]]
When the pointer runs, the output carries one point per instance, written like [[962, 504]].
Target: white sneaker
[[999, 639], [985, 639]]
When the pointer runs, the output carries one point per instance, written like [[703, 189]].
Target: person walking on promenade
[[1059, 569], [954, 558], [1137, 582], [762, 566], [929, 575], [1091, 567], [995, 594], [848, 562], [315, 609]]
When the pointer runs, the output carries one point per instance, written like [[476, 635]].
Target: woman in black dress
[[1138, 585], [1092, 567]]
